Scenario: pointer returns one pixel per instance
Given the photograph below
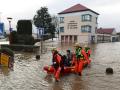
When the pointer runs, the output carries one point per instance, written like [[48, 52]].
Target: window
[[86, 17], [61, 19], [96, 20], [86, 28], [61, 29], [95, 29]]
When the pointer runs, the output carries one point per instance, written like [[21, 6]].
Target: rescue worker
[[57, 63], [87, 54], [79, 56], [87, 50], [56, 58], [78, 51]]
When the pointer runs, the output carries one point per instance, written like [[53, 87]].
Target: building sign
[[72, 25], [4, 60]]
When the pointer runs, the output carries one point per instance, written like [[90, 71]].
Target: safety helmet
[[54, 49], [77, 45]]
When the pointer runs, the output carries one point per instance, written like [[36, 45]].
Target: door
[[92, 39]]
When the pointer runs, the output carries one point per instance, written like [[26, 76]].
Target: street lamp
[[10, 29], [9, 20]]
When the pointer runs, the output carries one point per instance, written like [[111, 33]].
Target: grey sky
[[26, 9]]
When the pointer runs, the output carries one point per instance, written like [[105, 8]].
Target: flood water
[[28, 73]]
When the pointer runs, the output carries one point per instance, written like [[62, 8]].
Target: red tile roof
[[105, 30], [77, 8]]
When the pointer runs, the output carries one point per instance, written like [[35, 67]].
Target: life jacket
[[79, 55], [57, 58], [78, 52], [87, 49]]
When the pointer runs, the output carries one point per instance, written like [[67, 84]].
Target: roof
[[105, 30], [77, 8]]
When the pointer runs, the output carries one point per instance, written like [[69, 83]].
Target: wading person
[[57, 63], [78, 58], [87, 50]]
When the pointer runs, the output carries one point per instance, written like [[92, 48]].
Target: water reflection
[[78, 84], [57, 86], [49, 78]]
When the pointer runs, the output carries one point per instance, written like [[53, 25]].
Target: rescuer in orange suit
[[57, 63], [79, 56]]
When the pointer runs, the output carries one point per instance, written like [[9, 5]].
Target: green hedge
[[7, 51]]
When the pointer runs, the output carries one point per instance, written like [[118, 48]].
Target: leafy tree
[[55, 22], [42, 19], [52, 30]]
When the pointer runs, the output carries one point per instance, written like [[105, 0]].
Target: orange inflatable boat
[[72, 69]]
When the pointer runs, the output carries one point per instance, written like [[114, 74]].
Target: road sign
[[40, 32], [1, 28]]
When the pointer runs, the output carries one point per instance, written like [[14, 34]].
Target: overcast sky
[[25, 9]]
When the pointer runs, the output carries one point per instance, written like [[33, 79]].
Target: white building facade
[[106, 35], [78, 24]]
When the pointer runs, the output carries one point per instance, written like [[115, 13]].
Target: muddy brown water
[[28, 73]]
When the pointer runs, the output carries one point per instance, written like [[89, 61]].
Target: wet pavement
[[28, 73]]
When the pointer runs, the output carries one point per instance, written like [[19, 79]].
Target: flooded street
[[28, 73]]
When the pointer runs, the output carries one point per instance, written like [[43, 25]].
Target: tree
[[52, 30], [55, 22], [42, 19]]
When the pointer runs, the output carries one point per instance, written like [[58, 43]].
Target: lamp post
[[9, 20], [10, 29]]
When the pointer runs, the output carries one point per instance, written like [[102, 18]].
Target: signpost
[[40, 32], [40, 35], [10, 29]]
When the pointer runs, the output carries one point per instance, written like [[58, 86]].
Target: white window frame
[[86, 28], [86, 17]]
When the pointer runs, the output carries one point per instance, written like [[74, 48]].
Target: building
[[106, 35], [78, 24], [118, 34]]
